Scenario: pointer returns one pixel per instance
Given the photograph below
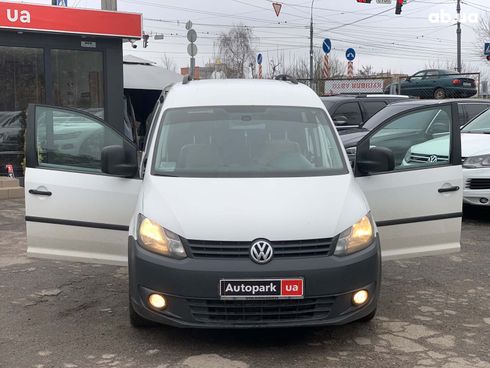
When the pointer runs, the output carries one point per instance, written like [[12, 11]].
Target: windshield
[[480, 124], [247, 141]]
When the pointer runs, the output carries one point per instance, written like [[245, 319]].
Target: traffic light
[[145, 40], [398, 9]]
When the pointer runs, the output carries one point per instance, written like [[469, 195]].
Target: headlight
[[477, 162], [358, 237], [156, 239]]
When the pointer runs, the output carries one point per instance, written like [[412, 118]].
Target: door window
[[417, 139], [432, 74], [418, 76], [70, 140], [78, 80], [351, 111], [372, 107]]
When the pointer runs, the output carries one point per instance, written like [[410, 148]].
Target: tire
[[368, 318], [137, 321], [439, 94]]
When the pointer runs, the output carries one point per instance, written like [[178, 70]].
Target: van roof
[[219, 92]]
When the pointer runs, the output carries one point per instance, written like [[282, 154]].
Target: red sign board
[[59, 19]]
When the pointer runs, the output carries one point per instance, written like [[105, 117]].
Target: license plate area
[[287, 288], [467, 84]]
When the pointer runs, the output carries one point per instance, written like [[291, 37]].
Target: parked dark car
[[468, 109], [351, 111], [437, 84], [12, 125]]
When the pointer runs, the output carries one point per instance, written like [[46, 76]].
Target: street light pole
[[311, 44], [458, 34]]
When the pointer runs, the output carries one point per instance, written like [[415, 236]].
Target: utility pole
[[108, 4], [311, 45], [458, 34]]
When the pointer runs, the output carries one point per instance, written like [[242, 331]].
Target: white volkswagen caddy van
[[243, 210]]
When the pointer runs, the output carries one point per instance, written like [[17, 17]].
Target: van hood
[[245, 209], [472, 144]]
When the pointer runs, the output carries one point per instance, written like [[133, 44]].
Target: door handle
[[40, 192], [448, 189]]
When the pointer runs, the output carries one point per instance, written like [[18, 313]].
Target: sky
[[424, 34]]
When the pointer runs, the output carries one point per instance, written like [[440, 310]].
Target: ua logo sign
[[14, 15]]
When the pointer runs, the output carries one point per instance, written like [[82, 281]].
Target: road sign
[[350, 54], [188, 25], [259, 59], [487, 48], [192, 35], [277, 8], [327, 45], [192, 49]]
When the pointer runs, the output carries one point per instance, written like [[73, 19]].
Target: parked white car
[[475, 143], [243, 210]]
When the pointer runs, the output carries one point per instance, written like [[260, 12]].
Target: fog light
[[157, 301], [483, 200], [360, 297]]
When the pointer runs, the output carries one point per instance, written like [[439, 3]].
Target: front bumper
[[190, 287], [472, 194]]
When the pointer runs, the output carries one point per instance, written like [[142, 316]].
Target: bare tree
[[300, 67], [366, 71], [448, 65], [168, 63], [483, 31], [235, 50]]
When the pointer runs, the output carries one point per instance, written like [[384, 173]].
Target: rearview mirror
[[119, 161], [340, 120], [375, 160]]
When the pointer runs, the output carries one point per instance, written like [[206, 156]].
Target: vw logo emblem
[[433, 158], [261, 251]]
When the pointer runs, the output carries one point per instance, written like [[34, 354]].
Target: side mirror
[[375, 160], [340, 120], [439, 128], [119, 161], [408, 79]]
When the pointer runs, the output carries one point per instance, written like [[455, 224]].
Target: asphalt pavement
[[434, 312]]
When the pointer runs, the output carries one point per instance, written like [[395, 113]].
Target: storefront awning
[[58, 19]]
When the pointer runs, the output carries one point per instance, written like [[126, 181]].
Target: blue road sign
[[350, 54], [327, 45], [487, 48], [259, 59]]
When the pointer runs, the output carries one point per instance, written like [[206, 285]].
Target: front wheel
[[439, 94]]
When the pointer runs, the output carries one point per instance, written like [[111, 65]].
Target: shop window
[[78, 80], [22, 76]]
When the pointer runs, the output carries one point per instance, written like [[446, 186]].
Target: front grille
[[478, 183], [237, 249], [423, 158], [260, 311]]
